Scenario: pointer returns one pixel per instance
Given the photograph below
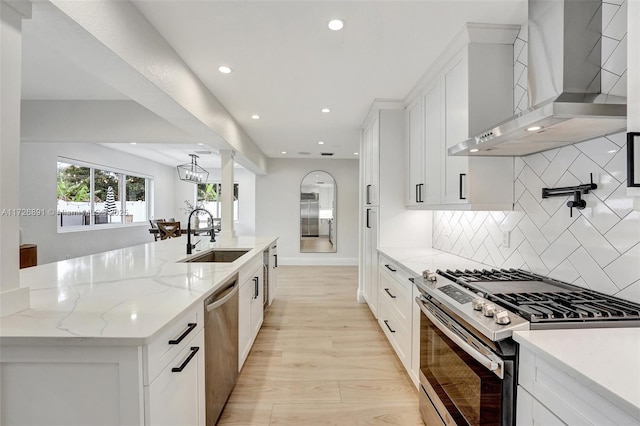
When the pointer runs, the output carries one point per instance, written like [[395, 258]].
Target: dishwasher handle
[[222, 296]]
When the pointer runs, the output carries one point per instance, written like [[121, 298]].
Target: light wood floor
[[321, 359], [316, 245]]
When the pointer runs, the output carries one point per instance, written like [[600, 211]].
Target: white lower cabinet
[[250, 307], [177, 395], [547, 395], [396, 312]]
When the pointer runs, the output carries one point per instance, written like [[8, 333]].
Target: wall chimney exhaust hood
[[564, 71]]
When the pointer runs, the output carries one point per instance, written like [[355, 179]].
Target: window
[[89, 195], [209, 195]]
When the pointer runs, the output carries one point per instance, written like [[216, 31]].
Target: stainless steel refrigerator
[[309, 214]]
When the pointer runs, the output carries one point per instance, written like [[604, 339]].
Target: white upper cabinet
[[468, 89]]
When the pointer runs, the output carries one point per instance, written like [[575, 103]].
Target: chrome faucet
[[213, 232]]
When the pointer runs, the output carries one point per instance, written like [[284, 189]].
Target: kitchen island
[[92, 349]]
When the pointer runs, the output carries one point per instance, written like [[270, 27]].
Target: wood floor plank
[[391, 413], [321, 358]]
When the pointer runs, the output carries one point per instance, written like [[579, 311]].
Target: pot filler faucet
[[213, 232]]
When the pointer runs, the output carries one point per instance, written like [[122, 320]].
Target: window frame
[[236, 212], [122, 203]]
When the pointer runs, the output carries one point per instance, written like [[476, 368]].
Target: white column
[[228, 231], [13, 298]]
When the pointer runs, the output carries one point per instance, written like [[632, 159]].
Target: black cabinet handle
[[386, 322], [190, 327], [275, 258], [412, 280], [368, 224], [390, 268], [368, 194], [391, 295], [417, 192], [462, 175], [420, 192], [256, 280], [194, 351]]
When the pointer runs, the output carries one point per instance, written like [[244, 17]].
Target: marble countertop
[[419, 259], [122, 296], [605, 360]]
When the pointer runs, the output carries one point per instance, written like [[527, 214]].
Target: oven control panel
[[456, 294]]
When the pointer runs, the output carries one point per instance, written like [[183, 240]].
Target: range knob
[[488, 309], [477, 304], [501, 317]]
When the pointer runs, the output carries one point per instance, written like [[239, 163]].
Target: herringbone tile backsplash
[[599, 247]]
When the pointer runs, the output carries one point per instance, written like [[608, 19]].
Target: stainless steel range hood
[[564, 71]]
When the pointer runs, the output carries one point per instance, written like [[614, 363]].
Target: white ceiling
[[287, 63]]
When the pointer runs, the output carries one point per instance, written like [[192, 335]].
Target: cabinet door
[[433, 143], [244, 320], [257, 303], [371, 258], [371, 162], [456, 128], [178, 397], [416, 152]]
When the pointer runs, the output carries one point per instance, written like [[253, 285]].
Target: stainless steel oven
[[464, 380]]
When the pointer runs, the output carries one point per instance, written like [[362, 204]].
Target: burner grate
[[477, 275], [580, 305]]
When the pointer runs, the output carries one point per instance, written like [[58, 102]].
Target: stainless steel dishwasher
[[221, 347]]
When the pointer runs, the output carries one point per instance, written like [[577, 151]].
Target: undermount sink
[[218, 256]]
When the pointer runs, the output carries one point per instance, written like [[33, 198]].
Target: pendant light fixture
[[192, 172]]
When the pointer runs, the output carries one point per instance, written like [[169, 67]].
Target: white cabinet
[[250, 307], [371, 162], [370, 264], [396, 313], [109, 384], [468, 89], [273, 271], [416, 147], [177, 395], [548, 395], [385, 220]]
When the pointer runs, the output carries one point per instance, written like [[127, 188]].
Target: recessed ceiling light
[[533, 128], [336, 24], [474, 150], [200, 144], [612, 151], [255, 117], [132, 143], [320, 143], [325, 110], [283, 152], [355, 153], [224, 69]]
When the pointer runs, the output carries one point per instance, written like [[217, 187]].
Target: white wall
[[38, 174], [278, 208]]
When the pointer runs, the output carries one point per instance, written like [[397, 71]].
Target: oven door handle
[[492, 365]]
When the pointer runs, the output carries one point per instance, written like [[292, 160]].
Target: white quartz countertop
[[605, 360], [419, 259], [123, 296]]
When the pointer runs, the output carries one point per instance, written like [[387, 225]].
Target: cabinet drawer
[[395, 286], [397, 331], [172, 341], [395, 292]]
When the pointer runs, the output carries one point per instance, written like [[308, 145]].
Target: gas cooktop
[[543, 300]]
